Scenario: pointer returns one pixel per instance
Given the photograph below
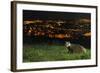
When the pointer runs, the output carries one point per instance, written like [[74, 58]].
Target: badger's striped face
[[67, 44]]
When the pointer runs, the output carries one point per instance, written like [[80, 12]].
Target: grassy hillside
[[45, 52]]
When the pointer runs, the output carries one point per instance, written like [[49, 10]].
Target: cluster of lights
[[49, 28]]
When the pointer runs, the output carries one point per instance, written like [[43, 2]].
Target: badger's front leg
[[69, 50]]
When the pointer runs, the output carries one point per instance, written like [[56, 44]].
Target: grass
[[44, 52]]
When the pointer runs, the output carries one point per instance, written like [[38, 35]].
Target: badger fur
[[74, 48]]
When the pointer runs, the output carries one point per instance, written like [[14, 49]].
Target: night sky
[[51, 15]]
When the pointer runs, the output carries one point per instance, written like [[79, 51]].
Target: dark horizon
[[53, 15]]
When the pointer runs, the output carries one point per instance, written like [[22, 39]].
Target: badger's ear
[[68, 42]]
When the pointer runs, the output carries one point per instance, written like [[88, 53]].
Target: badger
[[74, 48]]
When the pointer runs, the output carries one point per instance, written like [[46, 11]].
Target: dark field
[[50, 52]]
